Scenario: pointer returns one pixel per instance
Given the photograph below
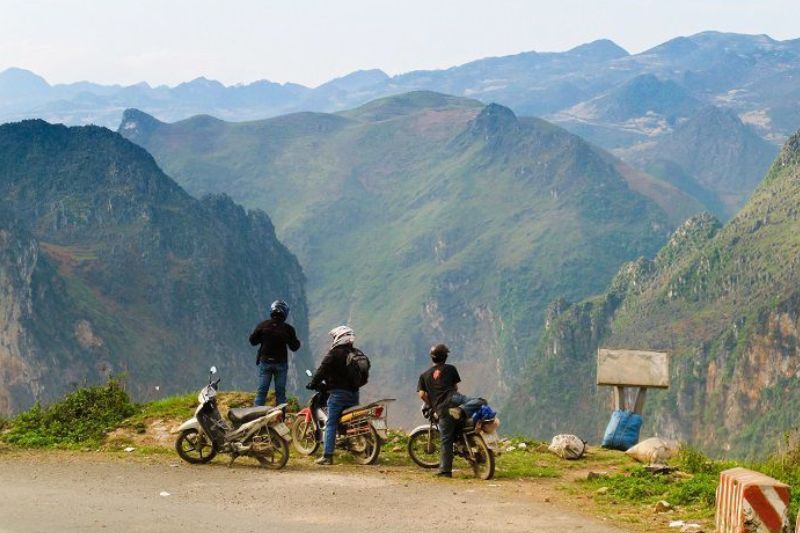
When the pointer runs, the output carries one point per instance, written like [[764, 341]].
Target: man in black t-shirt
[[436, 387], [274, 337]]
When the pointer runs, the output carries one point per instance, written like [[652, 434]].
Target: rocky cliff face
[[107, 266], [723, 301]]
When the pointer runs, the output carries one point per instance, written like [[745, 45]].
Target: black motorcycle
[[425, 442]]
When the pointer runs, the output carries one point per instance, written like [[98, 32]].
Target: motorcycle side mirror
[[308, 372], [212, 370]]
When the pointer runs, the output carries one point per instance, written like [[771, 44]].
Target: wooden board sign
[[632, 368]]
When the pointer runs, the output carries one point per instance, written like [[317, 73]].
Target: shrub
[[82, 417]]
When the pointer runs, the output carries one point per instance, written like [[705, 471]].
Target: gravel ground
[[91, 492]]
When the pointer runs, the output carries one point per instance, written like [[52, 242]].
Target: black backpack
[[357, 368]]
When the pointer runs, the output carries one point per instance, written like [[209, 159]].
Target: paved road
[[85, 492]]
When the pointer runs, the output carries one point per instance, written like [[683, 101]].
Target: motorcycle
[[258, 432], [362, 429], [424, 445]]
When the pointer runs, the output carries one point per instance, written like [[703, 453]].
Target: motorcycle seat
[[240, 415]]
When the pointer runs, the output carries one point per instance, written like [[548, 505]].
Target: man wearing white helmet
[[342, 389]]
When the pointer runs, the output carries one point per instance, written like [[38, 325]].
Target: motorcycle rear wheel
[[424, 446], [483, 462], [278, 456], [194, 447], [365, 448], [304, 436]]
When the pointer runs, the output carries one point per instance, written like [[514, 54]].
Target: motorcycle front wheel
[[482, 458], [277, 454], [424, 446], [365, 448], [194, 447], [304, 436]]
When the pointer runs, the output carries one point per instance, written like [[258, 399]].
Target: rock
[[510, 448], [596, 475], [522, 446], [163, 493], [397, 449], [677, 523], [692, 528], [658, 468], [662, 507], [129, 449], [602, 490]]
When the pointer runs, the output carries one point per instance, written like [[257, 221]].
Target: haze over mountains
[[617, 100], [424, 217], [107, 266]]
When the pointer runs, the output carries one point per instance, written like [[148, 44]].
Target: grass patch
[[82, 418]]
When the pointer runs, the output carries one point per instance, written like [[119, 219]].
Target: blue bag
[[623, 429]]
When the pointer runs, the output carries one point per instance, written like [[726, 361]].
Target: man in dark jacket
[[438, 388], [343, 393], [274, 335]]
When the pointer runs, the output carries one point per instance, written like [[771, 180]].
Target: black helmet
[[279, 309], [439, 353]]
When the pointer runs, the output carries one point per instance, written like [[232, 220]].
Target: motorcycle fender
[[306, 412], [192, 423], [422, 428]]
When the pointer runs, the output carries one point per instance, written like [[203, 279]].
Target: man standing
[[274, 335], [438, 388], [342, 389]]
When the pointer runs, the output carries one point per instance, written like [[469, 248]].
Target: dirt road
[[90, 492]]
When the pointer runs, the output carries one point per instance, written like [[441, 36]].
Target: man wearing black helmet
[[274, 335], [438, 388]]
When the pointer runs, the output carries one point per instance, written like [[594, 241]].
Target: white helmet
[[342, 335]]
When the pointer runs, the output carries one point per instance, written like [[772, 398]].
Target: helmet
[[342, 335], [279, 309], [439, 353]]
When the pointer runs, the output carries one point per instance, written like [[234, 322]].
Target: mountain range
[[108, 267], [423, 218], [723, 300], [622, 102]]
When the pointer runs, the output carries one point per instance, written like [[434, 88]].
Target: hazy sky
[[311, 41]]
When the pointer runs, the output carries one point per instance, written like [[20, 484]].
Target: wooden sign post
[[632, 368]]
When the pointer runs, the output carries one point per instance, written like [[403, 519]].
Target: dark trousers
[[266, 371], [448, 427], [338, 401]]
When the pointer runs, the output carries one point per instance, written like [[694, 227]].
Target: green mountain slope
[[712, 156], [723, 301], [108, 266], [425, 218]]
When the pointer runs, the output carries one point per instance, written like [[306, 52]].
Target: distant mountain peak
[[494, 118], [137, 124], [600, 49], [790, 153]]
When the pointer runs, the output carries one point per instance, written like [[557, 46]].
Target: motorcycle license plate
[[282, 429]]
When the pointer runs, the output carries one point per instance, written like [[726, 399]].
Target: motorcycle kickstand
[[233, 458]]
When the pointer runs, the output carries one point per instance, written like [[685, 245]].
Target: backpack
[[357, 368]]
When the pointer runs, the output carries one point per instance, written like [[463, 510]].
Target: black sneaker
[[444, 474], [324, 460]]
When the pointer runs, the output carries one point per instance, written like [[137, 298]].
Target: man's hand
[[311, 386]]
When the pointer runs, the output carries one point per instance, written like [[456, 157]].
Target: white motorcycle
[[258, 432]]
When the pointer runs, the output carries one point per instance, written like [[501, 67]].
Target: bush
[[82, 417]]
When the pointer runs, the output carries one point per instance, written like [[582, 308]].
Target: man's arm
[[424, 397], [293, 342], [322, 370], [255, 337]]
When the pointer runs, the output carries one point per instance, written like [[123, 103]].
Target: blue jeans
[[265, 373], [338, 401], [448, 427]]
